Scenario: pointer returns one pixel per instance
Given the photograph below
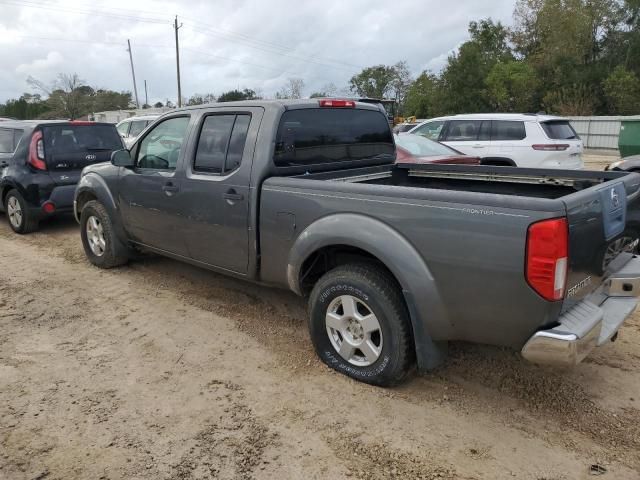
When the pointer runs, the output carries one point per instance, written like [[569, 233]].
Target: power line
[[267, 47]]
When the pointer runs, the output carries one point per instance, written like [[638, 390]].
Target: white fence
[[599, 132]]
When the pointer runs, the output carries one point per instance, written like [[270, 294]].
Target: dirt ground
[[160, 370]]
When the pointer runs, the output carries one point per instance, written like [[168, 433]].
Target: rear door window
[[9, 138], [559, 130], [221, 143], [318, 136], [507, 130], [463, 130]]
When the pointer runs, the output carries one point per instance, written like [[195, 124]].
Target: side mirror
[[122, 158]]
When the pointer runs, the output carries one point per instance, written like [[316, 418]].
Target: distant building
[[116, 116]]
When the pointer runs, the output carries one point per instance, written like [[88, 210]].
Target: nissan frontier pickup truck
[[395, 259]]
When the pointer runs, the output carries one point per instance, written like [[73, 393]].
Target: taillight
[[547, 257], [36, 152], [551, 147], [337, 103]]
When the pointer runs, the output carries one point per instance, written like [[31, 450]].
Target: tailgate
[[71, 147], [603, 226]]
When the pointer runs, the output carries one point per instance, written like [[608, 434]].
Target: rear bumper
[[591, 323], [60, 196]]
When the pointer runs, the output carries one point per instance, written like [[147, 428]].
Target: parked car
[[40, 164], [412, 148], [534, 141], [628, 164], [396, 259], [130, 128]]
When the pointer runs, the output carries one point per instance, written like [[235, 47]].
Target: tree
[[373, 82], [422, 96], [512, 87], [293, 89], [622, 90], [327, 90], [158, 105], [236, 95], [572, 100], [201, 99], [65, 94]]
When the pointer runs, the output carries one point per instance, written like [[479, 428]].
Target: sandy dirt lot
[[159, 370]]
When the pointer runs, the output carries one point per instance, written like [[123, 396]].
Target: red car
[[411, 148]]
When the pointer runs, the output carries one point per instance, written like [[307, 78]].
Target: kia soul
[[40, 165]]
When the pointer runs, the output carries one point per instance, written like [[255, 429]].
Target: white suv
[[534, 141]]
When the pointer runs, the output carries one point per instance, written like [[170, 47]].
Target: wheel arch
[[343, 238], [498, 161]]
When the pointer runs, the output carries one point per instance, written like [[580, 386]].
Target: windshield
[[421, 146], [60, 139]]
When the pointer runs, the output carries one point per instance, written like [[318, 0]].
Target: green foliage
[[421, 99], [235, 95], [201, 99], [512, 87], [67, 98], [622, 91]]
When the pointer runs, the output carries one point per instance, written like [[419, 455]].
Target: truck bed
[[551, 184]]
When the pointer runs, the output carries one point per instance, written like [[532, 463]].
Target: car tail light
[[547, 257], [36, 152], [551, 147], [337, 103]]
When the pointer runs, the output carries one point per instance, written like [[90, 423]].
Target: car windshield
[[422, 147]]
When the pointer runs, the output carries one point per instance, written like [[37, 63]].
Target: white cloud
[[229, 43]]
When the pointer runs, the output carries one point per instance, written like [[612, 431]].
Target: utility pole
[[176, 27], [133, 73], [146, 96]]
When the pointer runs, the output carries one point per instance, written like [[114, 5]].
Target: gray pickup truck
[[395, 259]]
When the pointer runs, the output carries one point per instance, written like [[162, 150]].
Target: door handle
[[232, 196], [170, 189]]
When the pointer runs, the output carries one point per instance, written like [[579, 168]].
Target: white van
[[522, 140]]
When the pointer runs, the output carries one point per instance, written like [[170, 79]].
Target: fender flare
[[425, 305], [96, 186]]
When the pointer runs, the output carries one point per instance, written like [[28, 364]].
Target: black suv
[[40, 165]]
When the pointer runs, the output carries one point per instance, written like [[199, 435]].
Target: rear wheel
[[20, 218], [359, 325], [102, 247]]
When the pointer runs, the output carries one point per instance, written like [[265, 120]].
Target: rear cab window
[[317, 136], [559, 130]]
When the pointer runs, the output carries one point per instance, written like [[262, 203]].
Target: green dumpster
[[629, 141]]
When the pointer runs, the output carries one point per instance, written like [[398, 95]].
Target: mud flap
[[429, 354]]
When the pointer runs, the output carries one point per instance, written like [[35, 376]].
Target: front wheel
[[102, 247], [359, 325]]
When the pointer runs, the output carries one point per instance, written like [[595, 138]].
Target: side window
[[221, 143], [485, 131], [463, 130], [160, 148], [507, 130], [137, 127], [6, 140], [430, 130], [123, 129]]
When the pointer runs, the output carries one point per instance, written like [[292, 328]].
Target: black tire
[[373, 286], [28, 222], [115, 253]]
